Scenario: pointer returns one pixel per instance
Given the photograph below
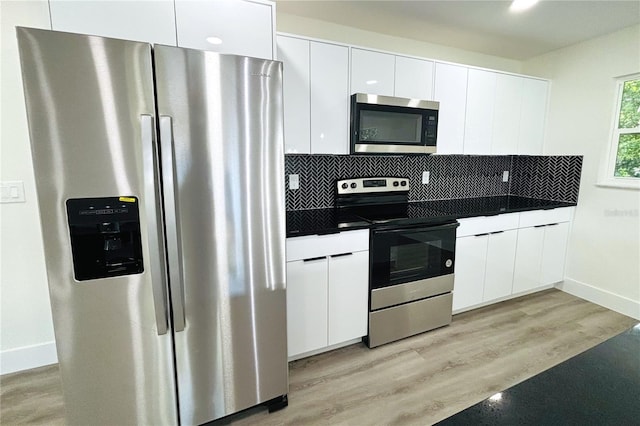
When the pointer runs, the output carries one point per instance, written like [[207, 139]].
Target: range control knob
[[353, 185], [396, 183], [403, 183], [345, 185]]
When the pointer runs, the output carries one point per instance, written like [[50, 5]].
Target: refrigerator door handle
[[156, 240], [171, 215]]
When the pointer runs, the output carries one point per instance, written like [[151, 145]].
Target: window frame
[[607, 174]]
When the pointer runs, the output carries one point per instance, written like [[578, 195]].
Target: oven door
[[405, 255]]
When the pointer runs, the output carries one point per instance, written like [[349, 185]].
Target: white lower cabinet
[[542, 247], [510, 254], [471, 253], [553, 253], [528, 259], [348, 288], [484, 268], [306, 305], [327, 290], [501, 254]]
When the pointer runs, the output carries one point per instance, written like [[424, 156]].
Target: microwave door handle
[[173, 232]]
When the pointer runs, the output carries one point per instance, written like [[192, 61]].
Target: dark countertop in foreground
[[598, 387], [328, 221]]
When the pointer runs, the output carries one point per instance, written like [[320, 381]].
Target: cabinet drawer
[[545, 217], [324, 245], [486, 224]]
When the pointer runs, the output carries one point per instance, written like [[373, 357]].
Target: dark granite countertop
[[328, 221], [598, 387], [489, 206], [321, 221]]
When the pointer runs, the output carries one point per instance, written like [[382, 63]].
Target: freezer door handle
[[155, 234], [171, 215]]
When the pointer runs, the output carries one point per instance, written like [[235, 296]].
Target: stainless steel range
[[412, 257]]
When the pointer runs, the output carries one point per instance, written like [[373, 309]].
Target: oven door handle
[[400, 228]]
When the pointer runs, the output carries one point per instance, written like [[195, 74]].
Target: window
[[624, 157]]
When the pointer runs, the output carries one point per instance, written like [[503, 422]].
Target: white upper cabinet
[[384, 74], [450, 90], [148, 21], [294, 54], [329, 76], [506, 118], [243, 27], [532, 116], [481, 89], [372, 72], [316, 96], [413, 78]]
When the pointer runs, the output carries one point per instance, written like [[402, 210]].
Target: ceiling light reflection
[[520, 5], [496, 397], [214, 40]]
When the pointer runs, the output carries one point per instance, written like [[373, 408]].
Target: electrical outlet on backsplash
[[450, 176]]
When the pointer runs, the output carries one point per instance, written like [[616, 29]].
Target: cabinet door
[[372, 72], [450, 90], [294, 54], [526, 275], [244, 27], [329, 99], [506, 118], [478, 126], [532, 116], [414, 78], [554, 252], [501, 256], [471, 258], [306, 305], [348, 296], [481, 89], [148, 21]]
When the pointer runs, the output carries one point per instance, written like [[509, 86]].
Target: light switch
[[294, 181], [12, 191], [505, 176], [425, 178]]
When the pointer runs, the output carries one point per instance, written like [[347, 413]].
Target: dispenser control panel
[[105, 237]]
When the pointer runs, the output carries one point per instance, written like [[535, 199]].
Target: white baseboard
[[28, 357], [501, 299], [325, 349], [601, 297]]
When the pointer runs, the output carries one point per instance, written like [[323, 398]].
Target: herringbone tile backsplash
[[451, 176]]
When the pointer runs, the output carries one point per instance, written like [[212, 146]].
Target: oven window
[[402, 256]]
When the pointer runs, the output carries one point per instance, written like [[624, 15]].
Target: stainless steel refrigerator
[[159, 173]]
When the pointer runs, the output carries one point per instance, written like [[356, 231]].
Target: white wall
[[26, 327], [339, 33], [603, 262]]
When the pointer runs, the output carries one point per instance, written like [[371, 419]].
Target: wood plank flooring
[[420, 380]]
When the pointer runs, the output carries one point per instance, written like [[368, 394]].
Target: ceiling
[[480, 26]]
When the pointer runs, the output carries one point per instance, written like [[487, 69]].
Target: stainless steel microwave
[[390, 125]]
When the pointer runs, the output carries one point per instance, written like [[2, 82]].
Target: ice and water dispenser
[[105, 237]]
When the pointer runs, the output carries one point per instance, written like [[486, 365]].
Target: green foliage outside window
[[628, 155]]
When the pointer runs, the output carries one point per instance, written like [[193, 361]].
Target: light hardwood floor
[[420, 380]]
